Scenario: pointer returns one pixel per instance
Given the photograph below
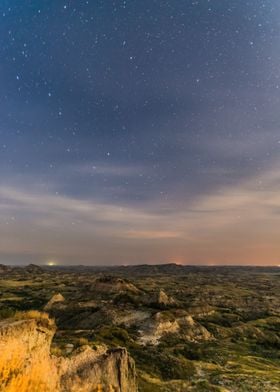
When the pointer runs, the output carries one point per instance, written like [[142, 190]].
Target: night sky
[[140, 131]]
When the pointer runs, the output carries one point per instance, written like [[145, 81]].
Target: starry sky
[[140, 131]]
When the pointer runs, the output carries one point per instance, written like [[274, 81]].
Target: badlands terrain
[[147, 328]]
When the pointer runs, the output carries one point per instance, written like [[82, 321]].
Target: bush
[[163, 365], [83, 342], [6, 313], [56, 351], [192, 351], [126, 298], [176, 368], [114, 335], [42, 317]]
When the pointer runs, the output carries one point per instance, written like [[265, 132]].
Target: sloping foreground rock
[[110, 370], [27, 366]]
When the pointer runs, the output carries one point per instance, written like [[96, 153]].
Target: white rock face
[[160, 324], [155, 328]]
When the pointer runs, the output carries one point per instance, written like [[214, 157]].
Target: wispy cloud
[[239, 223]]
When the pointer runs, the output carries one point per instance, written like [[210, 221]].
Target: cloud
[[235, 224], [151, 235]]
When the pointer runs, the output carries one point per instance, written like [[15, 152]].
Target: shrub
[[83, 342], [176, 368], [56, 351], [42, 317], [6, 313]]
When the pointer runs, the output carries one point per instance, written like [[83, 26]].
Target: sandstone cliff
[[108, 370], [25, 363], [27, 366]]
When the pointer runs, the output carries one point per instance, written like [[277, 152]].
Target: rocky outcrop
[[162, 300], [33, 269], [4, 269], [159, 325], [26, 364], [163, 323], [112, 284], [54, 300], [107, 369], [192, 331]]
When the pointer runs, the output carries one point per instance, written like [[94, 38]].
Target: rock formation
[[110, 370], [161, 299], [112, 284], [33, 269], [55, 299], [26, 364], [162, 323], [4, 269]]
